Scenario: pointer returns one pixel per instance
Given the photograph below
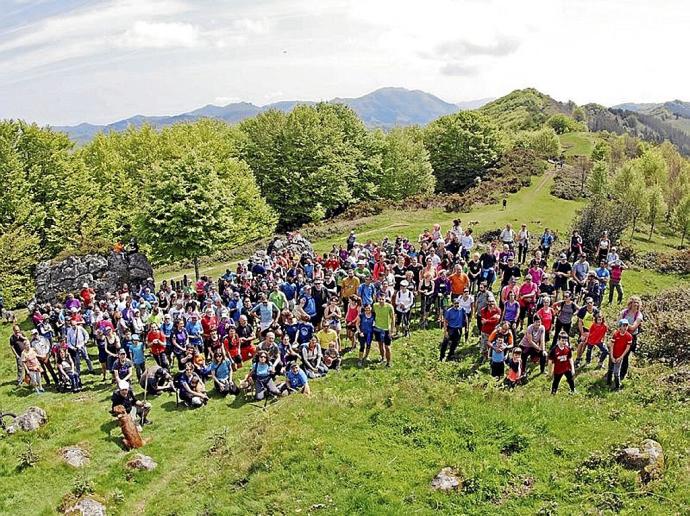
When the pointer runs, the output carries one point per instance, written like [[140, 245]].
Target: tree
[[655, 207], [564, 124], [19, 253], [312, 162], [461, 147], [579, 114], [601, 151], [598, 181], [629, 188], [405, 165], [681, 218], [653, 167], [601, 215], [544, 142], [193, 208]]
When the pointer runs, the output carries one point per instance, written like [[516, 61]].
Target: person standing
[[77, 338], [621, 344], [561, 357], [453, 322], [545, 243], [523, 244], [16, 340], [632, 314], [384, 326]]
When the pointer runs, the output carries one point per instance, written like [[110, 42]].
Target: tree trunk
[[634, 224], [682, 238], [196, 267], [651, 231]]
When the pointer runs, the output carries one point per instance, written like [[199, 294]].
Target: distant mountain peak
[[385, 107]]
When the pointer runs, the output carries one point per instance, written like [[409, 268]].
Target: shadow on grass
[[108, 428], [599, 388]]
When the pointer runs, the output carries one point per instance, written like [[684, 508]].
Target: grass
[[579, 143], [369, 441]]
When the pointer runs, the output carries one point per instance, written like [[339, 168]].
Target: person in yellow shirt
[[348, 287], [327, 335]]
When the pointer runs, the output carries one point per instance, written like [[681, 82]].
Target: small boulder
[[142, 462], [31, 420], [75, 456], [448, 479], [86, 507], [648, 459]]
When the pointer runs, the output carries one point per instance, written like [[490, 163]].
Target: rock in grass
[[648, 459], [75, 456], [31, 420], [448, 479], [142, 462], [86, 507]]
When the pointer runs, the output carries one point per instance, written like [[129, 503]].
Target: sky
[[70, 61]]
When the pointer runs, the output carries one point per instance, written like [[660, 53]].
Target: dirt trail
[[547, 175]]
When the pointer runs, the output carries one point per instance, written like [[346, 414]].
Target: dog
[[131, 437]]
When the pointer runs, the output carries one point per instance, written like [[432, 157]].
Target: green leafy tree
[[19, 253], [598, 180], [579, 114], [193, 208], [653, 167], [406, 169], [601, 151], [655, 207], [564, 124], [544, 142], [629, 187], [461, 147], [681, 218], [312, 162]]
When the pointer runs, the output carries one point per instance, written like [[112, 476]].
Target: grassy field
[[578, 144], [369, 441]]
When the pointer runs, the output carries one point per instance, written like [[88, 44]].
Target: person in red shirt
[[621, 341], [209, 324], [155, 340], [595, 338], [490, 316], [561, 358], [87, 294], [231, 344]]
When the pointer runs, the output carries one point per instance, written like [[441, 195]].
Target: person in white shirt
[[467, 304], [467, 243], [508, 236], [523, 244], [404, 299]]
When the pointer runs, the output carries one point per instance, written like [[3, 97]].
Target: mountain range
[[383, 108]]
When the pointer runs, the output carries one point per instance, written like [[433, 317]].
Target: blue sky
[[68, 61]]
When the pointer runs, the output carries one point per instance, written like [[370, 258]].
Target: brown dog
[[131, 437]]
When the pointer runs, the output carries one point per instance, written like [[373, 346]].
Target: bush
[[489, 236], [677, 262], [667, 326], [598, 216]]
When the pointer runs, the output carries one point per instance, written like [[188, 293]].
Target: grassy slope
[[367, 441]]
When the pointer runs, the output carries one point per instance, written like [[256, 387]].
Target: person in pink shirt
[[527, 297]]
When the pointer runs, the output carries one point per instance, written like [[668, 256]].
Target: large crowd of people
[[285, 318]]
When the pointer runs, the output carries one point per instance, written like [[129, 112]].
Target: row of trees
[[191, 189]]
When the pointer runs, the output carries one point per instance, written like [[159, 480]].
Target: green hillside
[[369, 441], [524, 109]]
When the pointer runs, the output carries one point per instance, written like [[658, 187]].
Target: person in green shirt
[[384, 326], [362, 271], [278, 298]]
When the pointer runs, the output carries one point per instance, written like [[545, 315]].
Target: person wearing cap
[[454, 320], [621, 343], [490, 316], [125, 397], [122, 367], [384, 326], [561, 359], [404, 300], [137, 354]]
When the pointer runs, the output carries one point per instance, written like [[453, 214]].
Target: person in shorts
[[384, 326]]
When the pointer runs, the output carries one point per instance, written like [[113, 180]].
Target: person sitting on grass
[[156, 379], [192, 390], [312, 359], [221, 373], [296, 380], [261, 375], [331, 357], [124, 396]]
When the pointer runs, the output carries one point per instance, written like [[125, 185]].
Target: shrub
[[598, 216], [667, 327], [677, 262]]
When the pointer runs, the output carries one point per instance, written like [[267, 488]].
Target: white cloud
[[145, 34], [223, 101]]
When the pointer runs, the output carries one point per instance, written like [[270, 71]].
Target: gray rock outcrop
[[142, 462], [448, 479], [31, 420], [102, 273], [75, 456]]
